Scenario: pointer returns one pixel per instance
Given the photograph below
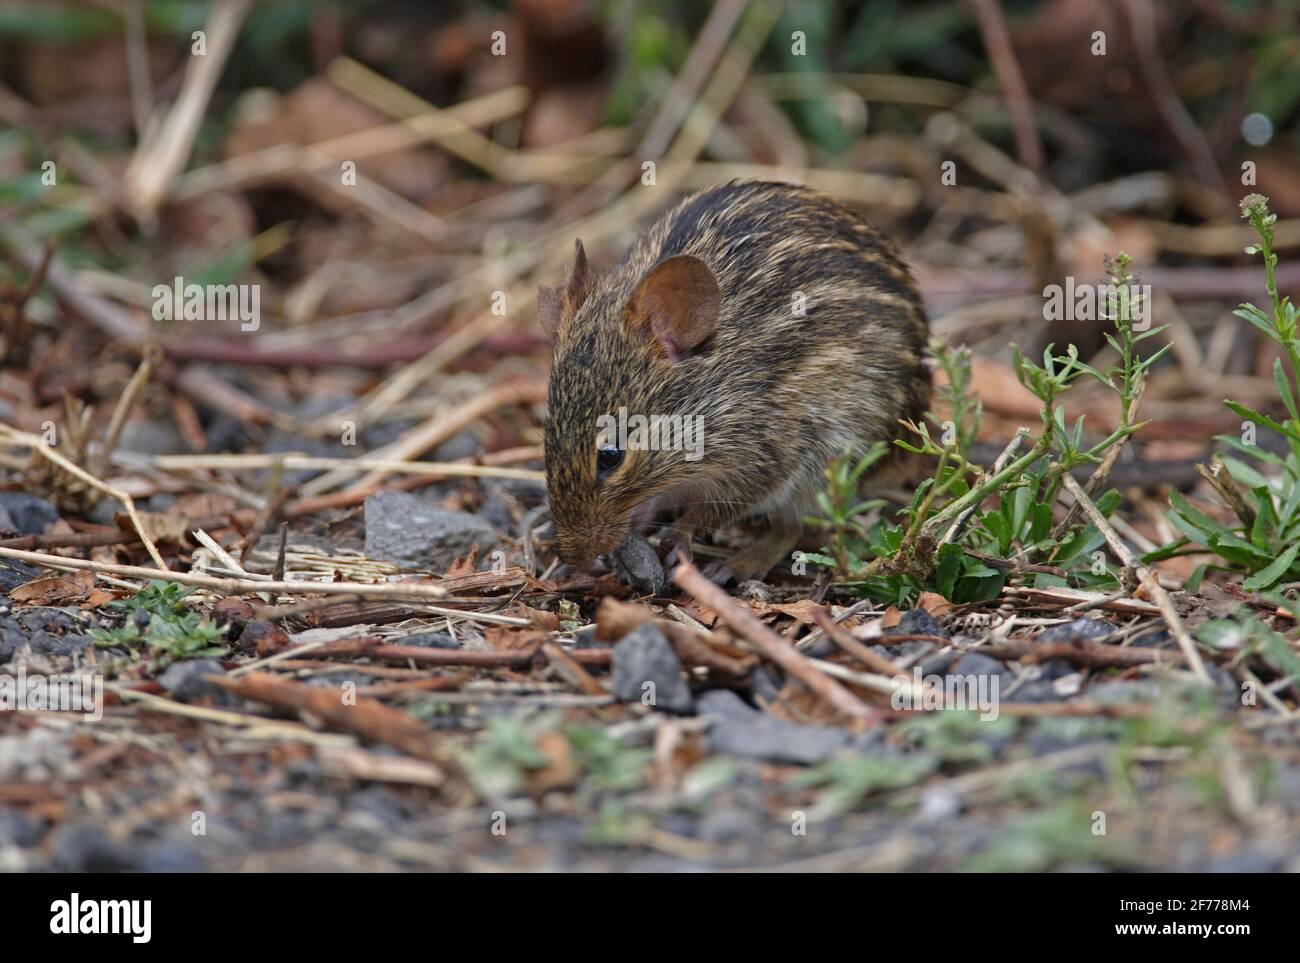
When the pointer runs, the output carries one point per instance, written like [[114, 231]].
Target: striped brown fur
[[780, 395]]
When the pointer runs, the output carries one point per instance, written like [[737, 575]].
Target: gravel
[[407, 530], [646, 669]]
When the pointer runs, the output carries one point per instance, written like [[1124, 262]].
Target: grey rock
[[152, 438], [463, 445], [1079, 630], [530, 494], [227, 434], [975, 663], [767, 682], [645, 655], [166, 856], [402, 528], [1287, 788], [1249, 861], [376, 436], [85, 848], [917, 622], [1045, 688], [431, 640], [14, 574], [739, 730], [496, 511], [280, 442], [105, 512], [727, 824], [45, 643], [939, 805], [17, 829], [185, 681], [48, 631], [585, 638], [26, 513]]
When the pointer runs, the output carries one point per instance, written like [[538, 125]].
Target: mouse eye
[[607, 459]]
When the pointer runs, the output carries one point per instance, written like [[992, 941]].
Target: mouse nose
[[579, 545]]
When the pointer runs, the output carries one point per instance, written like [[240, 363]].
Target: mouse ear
[[676, 305], [556, 304]]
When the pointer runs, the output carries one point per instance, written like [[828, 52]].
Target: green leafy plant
[[848, 778], [956, 737], [1247, 636], [947, 540], [500, 762], [607, 762], [1263, 541], [160, 622]]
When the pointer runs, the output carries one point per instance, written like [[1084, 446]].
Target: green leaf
[[1197, 519], [1283, 386], [1243, 473], [1253, 415], [1272, 573]]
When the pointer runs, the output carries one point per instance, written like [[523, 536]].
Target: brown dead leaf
[[55, 589], [537, 618], [204, 505], [97, 598], [802, 610], [161, 526], [510, 639], [463, 566], [560, 770], [934, 603], [891, 617]]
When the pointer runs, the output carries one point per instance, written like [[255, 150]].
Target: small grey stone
[[529, 493], [27, 513], [917, 622], [149, 437], [431, 640], [638, 565], [1047, 686], [939, 805], [105, 512], [1248, 861], [1079, 630], [1287, 788], [585, 638], [463, 445], [47, 643], [739, 730], [496, 511], [85, 848], [14, 574], [727, 824], [282, 442], [165, 856], [403, 528], [645, 655], [185, 681], [19, 830], [767, 682]]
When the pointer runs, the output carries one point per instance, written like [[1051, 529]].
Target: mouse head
[[625, 420]]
